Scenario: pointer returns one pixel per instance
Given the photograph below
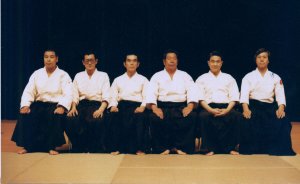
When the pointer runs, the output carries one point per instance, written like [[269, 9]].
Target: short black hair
[[131, 54], [261, 50], [89, 52], [168, 52], [51, 50], [214, 53]]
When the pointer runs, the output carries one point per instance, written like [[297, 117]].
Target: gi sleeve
[[152, 91], [279, 92], [144, 91], [114, 92], [30, 92], [191, 90], [75, 90], [233, 94], [106, 89], [200, 88], [245, 90], [67, 91]]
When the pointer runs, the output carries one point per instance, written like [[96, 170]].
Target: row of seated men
[[162, 116]]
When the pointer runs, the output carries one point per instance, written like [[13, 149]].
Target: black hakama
[[264, 133], [219, 134], [173, 131], [86, 132], [41, 130], [128, 131]]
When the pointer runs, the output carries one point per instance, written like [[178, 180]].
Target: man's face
[[90, 62], [262, 60], [215, 64], [131, 63], [50, 59], [171, 61]]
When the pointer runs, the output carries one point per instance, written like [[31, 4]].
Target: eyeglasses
[[89, 61]]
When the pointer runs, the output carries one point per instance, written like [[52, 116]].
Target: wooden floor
[[70, 168]]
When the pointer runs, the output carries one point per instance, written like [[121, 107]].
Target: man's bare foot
[[210, 153], [234, 153], [22, 151], [179, 152], [115, 153], [139, 152], [53, 152], [166, 152]]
